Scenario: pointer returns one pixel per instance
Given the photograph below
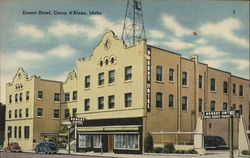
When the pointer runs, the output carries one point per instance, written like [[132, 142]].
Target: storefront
[[110, 137]]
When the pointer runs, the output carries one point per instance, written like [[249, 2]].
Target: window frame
[[56, 97], [128, 73], [171, 101], [225, 87], [159, 103], [111, 76], [87, 81], [213, 84], [26, 132], [27, 95], [74, 95], [101, 103], [184, 79], [159, 73], [111, 104], [200, 81], [101, 78], [128, 99], [39, 112], [56, 114], [225, 105], [184, 98], [212, 105], [40, 95], [67, 97], [241, 93], [87, 104]]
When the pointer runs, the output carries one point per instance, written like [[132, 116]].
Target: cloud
[[171, 23], [31, 30], [208, 51], [216, 63], [101, 23], [225, 29], [152, 42], [156, 34], [62, 51], [177, 44], [241, 63], [201, 41], [26, 55]]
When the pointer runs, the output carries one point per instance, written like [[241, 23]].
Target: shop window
[[225, 85], [101, 79], [39, 112], [241, 90], [159, 100], [40, 95], [128, 73], [66, 97], [159, 73], [87, 81], [27, 95], [66, 113], [111, 76], [21, 97], [225, 106], [56, 113], [111, 101], [10, 98], [184, 79], [100, 103], [212, 105], [128, 99], [171, 75], [20, 113], [86, 104], [212, 84], [26, 131], [56, 97], [184, 103], [84, 141], [97, 139], [200, 105], [200, 81], [74, 95], [126, 141]]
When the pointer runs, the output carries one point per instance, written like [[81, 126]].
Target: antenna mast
[[133, 28]]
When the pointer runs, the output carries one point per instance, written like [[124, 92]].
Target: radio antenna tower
[[133, 28]]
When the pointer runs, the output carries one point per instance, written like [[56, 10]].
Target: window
[[212, 84], [225, 106], [39, 112], [40, 95], [101, 78], [171, 100], [212, 105], [128, 99], [26, 131], [16, 97], [171, 75], [9, 113], [56, 97], [123, 141], [19, 132], [111, 76], [101, 63], [234, 106], [184, 79], [225, 87], [200, 105], [21, 97], [15, 113], [56, 113], [97, 139], [15, 132], [184, 103], [20, 113], [111, 100], [10, 131], [200, 81], [210, 125], [74, 111], [66, 96], [27, 95], [112, 60], [100, 103], [158, 73], [241, 109], [87, 81], [74, 95], [128, 73], [234, 88], [106, 61], [241, 90], [66, 113], [159, 100], [27, 112], [84, 141], [10, 98], [86, 104]]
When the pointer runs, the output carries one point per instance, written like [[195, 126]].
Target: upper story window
[[39, 112], [74, 95], [212, 105], [21, 97], [100, 103], [56, 97], [86, 104], [15, 113], [87, 81], [200, 105], [27, 112], [112, 60], [171, 75], [111, 76], [234, 88], [27, 95], [16, 97], [66, 96], [128, 73], [40, 95], [184, 79], [101, 63], [184, 103], [20, 113], [9, 131], [171, 100], [66, 113], [74, 112], [128, 99], [241, 109], [225, 106], [10, 98], [200, 81], [159, 100], [26, 131], [225, 85], [159, 73], [212, 84], [111, 101], [9, 113], [240, 90], [56, 113], [106, 61], [101, 78]]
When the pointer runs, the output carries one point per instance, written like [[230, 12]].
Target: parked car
[[13, 147], [46, 147], [214, 142]]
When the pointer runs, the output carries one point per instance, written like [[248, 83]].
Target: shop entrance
[[110, 143]]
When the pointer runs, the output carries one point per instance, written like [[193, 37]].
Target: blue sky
[[39, 43]]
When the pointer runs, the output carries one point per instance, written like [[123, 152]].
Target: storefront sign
[[148, 83]]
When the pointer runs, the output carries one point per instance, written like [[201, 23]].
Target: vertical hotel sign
[[148, 84]]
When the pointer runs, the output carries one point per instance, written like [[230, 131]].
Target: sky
[[49, 45]]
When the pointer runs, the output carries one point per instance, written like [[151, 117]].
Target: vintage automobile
[[214, 142], [47, 147], [13, 147]]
